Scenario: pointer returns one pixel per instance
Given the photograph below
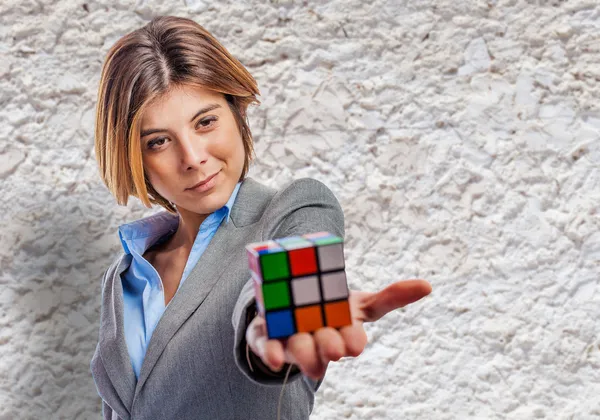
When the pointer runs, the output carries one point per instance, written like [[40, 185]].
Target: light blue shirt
[[143, 294]]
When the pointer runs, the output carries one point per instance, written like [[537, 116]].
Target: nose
[[193, 153]]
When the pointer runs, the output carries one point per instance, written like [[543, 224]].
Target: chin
[[205, 205]]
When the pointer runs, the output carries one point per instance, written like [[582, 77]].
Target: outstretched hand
[[313, 352]]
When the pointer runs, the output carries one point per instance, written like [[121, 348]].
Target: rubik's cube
[[300, 283]]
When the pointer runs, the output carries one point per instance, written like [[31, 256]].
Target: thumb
[[269, 351], [394, 296]]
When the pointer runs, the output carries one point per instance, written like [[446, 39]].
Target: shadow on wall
[[50, 305]]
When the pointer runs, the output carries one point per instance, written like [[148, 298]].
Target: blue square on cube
[[280, 324]]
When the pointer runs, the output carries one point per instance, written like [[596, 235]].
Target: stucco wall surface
[[461, 138]]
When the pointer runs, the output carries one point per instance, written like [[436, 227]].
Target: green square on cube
[[328, 240], [274, 266], [276, 295]]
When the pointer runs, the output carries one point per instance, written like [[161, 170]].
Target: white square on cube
[[289, 246], [334, 285], [331, 257], [306, 290]]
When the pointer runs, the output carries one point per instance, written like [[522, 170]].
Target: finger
[[302, 350], [355, 339], [330, 345], [271, 352], [394, 296], [274, 355]]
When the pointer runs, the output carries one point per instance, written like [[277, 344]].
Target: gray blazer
[[195, 365]]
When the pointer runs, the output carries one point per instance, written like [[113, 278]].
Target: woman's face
[[189, 136]]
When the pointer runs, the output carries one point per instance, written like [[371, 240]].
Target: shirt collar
[[143, 233]]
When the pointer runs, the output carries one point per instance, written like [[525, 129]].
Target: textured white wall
[[461, 137]]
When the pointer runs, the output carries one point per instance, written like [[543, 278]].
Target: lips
[[206, 180]]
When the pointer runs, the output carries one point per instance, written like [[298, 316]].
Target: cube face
[[303, 261], [274, 266], [259, 295], [306, 290], [331, 257], [338, 314], [280, 324], [334, 286], [309, 318], [300, 283], [294, 242]]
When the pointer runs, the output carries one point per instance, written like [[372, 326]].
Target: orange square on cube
[[309, 318], [338, 314]]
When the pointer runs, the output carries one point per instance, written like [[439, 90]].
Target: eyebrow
[[204, 110]]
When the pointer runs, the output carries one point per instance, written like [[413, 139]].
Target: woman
[[179, 337]]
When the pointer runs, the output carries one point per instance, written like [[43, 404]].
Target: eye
[[156, 142], [206, 122]]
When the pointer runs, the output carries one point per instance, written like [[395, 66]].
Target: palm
[[312, 352]]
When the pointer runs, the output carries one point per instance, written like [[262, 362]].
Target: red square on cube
[[303, 261]]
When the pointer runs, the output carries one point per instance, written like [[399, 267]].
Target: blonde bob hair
[[144, 65]]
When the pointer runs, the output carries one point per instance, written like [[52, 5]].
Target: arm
[[305, 206], [313, 352]]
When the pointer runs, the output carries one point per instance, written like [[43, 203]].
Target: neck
[[189, 225]]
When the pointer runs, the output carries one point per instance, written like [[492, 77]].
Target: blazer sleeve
[[304, 206]]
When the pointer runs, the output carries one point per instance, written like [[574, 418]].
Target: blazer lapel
[[206, 273], [112, 345]]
